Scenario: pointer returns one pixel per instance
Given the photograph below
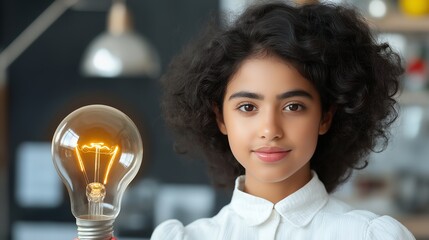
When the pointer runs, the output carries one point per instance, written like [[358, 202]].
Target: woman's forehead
[[270, 72]]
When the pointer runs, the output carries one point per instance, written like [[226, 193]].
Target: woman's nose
[[271, 126]]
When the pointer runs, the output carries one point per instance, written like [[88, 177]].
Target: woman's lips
[[270, 154]]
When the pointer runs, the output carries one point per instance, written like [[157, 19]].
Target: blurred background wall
[[45, 83]]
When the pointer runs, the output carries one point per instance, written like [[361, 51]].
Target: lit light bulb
[[97, 150]]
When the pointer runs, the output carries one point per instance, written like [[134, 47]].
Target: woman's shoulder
[[380, 227], [386, 227], [372, 226]]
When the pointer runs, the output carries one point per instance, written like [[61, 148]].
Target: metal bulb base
[[94, 229]]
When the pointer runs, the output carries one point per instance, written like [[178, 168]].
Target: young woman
[[286, 101]]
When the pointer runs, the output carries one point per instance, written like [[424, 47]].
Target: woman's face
[[272, 117]]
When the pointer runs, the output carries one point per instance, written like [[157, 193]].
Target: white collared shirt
[[309, 213]]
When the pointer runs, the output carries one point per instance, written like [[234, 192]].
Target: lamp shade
[[124, 54], [120, 51]]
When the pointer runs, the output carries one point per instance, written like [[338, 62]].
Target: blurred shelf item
[[420, 98], [406, 25], [417, 224], [400, 23], [396, 22]]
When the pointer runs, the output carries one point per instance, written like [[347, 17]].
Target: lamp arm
[[32, 32]]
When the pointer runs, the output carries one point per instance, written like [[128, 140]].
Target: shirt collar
[[299, 208]]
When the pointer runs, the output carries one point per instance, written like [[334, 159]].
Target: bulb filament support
[[90, 158]]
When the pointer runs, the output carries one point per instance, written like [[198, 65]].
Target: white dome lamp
[[120, 51]]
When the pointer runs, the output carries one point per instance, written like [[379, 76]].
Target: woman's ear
[[326, 121], [219, 120]]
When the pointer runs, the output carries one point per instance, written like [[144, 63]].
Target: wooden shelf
[[399, 23]]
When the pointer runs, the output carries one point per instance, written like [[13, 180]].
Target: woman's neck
[[278, 190]]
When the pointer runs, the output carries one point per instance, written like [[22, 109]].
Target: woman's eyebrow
[[288, 94], [295, 93], [244, 94]]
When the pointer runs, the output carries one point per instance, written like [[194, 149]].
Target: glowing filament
[[115, 151], [98, 149]]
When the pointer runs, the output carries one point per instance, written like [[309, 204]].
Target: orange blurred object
[[414, 7]]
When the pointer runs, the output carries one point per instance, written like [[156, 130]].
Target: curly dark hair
[[331, 46]]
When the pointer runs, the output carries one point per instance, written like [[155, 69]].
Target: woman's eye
[[294, 107], [247, 108]]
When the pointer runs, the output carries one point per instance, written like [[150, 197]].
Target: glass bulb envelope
[[97, 150]]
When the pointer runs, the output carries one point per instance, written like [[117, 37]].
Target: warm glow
[[96, 156], [97, 150]]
